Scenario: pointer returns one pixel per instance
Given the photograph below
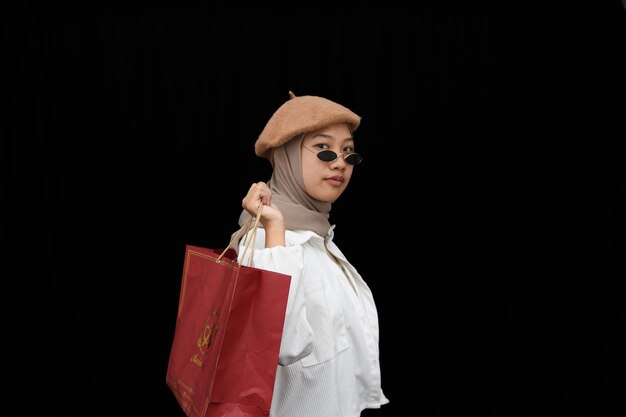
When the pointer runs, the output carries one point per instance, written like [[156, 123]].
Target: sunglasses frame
[[343, 155]]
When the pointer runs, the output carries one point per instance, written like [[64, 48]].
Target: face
[[326, 181]]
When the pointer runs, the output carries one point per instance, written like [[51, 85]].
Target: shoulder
[[301, 237], [292, 238]]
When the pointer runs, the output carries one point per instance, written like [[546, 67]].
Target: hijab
[[299, 209]]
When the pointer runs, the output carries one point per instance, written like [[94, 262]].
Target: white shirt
[[328, 363]]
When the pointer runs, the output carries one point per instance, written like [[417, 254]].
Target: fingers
[[259, 193]]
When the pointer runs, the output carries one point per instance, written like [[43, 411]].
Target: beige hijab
[[300, 210]]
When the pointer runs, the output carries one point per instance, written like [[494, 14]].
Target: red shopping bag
[[229, 327]]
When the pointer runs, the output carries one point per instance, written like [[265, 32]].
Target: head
[[326, 179], [298, 141], [315, 167]]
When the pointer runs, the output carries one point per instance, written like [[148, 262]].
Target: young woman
[[329, 359]]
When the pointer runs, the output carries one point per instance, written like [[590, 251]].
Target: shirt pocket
[[326, 317]]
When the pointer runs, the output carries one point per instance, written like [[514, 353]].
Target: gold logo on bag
[[206, 337]]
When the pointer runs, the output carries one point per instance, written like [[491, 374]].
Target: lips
[[336, 181]]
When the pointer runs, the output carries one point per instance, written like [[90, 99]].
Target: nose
[[339, 163]]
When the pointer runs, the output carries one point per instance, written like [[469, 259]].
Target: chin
[[327, 198], [328, 195], [332, 199]]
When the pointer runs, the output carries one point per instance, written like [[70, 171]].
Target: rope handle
[[252, 223]]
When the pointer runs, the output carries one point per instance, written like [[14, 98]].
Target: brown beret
[[300, 115]]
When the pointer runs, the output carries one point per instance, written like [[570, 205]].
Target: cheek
[[310, 175], [347, 175]]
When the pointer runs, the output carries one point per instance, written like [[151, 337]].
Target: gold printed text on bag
[[206, 337]]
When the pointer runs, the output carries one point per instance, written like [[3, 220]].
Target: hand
[[260, 193]]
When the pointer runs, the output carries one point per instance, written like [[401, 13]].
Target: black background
[[491, 235]]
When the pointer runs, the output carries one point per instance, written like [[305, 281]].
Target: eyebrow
[[331, 137]]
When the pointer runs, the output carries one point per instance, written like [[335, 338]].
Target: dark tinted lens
[[327, 156], [354, 159]]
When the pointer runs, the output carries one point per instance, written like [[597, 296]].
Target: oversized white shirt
[[328, 364]]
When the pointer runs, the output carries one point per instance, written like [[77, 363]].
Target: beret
[[300, 115]]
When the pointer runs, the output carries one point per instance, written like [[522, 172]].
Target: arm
[[297, 338], [271, 217]]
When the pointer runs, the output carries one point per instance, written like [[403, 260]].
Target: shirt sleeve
[[297, 339]]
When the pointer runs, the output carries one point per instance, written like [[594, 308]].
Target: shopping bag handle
[[252, 223]]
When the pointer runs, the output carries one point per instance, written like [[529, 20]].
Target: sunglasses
[[327, 155]]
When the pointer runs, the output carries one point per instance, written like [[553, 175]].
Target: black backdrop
[[128, 133]]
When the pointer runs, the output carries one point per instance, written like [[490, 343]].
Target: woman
[[329, 360]]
